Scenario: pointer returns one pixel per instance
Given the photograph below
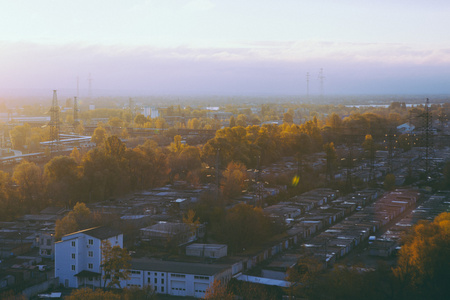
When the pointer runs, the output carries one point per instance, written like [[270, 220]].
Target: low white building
[[176, 278], [207, 250], [78, 256]]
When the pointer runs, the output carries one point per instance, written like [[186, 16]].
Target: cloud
[[262, 67]]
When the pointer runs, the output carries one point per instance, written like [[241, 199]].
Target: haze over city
[[203, 47]]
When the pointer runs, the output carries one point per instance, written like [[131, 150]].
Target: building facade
[[78, 256]]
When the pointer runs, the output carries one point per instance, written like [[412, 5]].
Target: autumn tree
[[89, 294], [99, 136], [8, 206], [331, 157], [79, 218], [115, 265], [62, 175], [28, 177], [245, 226], [233, 180], [218, 291], [389, 182], [423, 262], [191, 220]]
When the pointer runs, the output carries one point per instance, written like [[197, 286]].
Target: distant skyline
[[201, 47]]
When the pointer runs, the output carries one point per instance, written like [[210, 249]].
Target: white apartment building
[[78, 256], [176, 278]]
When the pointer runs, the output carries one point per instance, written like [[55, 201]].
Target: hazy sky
[[226, 47]]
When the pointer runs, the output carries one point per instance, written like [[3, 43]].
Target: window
[[162, 289], [156, 289], [90, 266], [73, 243], [148, 280], [156, 274], [162, 281], [156, 280], [91, 242], [49, 242], [73, 267], [91, 253], [73, 255]]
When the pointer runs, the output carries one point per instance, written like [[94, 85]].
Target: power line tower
[[54, 124], [321, 78], [76, 120], [428, 135]]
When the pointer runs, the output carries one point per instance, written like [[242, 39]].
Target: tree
[[191, 220], [424, 262], [218, 291], [389, 182], [331, 156], [79, 218], [288, 118], [62, 175], [8, 206], [140, 120], [234, 180], [232, 121], [19, 136], [99, 136], [76, 155], [28, 177], [88, 294], [245, 226], [115, 265]]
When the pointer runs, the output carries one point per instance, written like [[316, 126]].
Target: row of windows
[[156, 274], [178, 289], [156, 280], [90, 242], [135, 272], [90, 266], [200, 291], [178, 275], [201, 277], [90, 254]]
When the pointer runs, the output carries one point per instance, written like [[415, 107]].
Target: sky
[[212, 47]]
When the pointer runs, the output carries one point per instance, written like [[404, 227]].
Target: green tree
[[115, 265]]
